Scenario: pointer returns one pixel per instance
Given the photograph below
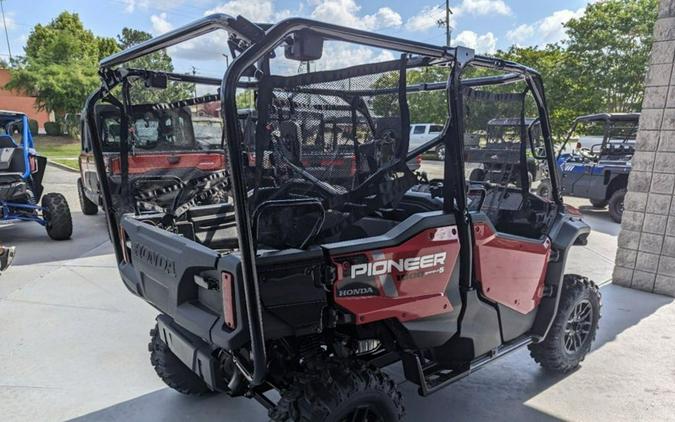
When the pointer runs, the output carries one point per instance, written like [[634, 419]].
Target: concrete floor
[[73, 345]]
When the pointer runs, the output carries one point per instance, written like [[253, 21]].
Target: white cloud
[[486, 43], [429, 16], [260, 11], [10, 23], [160, 5], [547, 30], [346, 12], [160, 24], [484, 7], [520, 34]]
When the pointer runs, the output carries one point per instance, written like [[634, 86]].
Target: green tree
[[158, 61], [60, 64], [554, 63], [610, 45]]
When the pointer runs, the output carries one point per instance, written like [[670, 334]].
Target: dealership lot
[[73, 345]]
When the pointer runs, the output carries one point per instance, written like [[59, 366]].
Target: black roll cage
[[606, 118], [251, 45]]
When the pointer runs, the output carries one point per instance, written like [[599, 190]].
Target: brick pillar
[[645, 258]]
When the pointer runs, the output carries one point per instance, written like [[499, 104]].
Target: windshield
[[208, 132]]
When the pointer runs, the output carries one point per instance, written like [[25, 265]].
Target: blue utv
[[21, 173], [597, 168]]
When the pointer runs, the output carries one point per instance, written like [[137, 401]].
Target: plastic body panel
[[511, 269], [406, 279]]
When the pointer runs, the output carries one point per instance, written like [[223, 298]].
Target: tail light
[[418, 159], [115, 166], [33, 164], [227, 288], [352, 168]]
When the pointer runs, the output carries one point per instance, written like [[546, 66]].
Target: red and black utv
[[303, 286], [164, 154]]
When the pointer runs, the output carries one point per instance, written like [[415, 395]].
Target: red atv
[[308, 287]]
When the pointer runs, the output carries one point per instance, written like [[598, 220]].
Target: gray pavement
[[73, 344]]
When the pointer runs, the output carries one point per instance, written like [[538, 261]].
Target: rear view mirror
[[304, 46]]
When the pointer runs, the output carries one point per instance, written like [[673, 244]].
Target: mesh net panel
[[495, 136], [174, 159]]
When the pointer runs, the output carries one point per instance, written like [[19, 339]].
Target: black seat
[[12, 162], [6, 141]]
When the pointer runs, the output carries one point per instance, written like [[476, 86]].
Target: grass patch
[[59, 149]]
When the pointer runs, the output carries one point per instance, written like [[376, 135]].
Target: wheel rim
[[364, 413], [578, 326]]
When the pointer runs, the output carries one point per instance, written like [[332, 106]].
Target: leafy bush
[[53, 129], [33, 126]]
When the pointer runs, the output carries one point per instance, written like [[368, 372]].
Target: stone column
[[645, 257]]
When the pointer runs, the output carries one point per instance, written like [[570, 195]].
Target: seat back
[[11, 160], [6, 141]]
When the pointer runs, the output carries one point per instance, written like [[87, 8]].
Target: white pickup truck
[[420, 133]]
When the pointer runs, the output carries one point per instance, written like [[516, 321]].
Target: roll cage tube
[[536, 85], [97, 150]]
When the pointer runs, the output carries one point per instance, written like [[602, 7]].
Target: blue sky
[[485, 25]]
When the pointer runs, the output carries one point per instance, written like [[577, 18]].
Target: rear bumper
[[194, 352]]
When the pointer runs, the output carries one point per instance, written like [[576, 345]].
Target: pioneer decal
[[153, 258], [357, 289], [416, 263]]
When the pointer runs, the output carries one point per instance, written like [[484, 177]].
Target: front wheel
[[87, 206], [56, 213], [338, 390], [616, 205], [544, 190], [574, 327]]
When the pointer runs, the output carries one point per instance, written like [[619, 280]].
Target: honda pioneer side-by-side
[[165, 153], [21, 173], [305, 286], [600, 172], [499, 155]]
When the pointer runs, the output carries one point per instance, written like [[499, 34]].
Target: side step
[[431, 377]]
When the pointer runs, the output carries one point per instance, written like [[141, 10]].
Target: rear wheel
[[55, 211], [574, 328], [544, 189], [340, 390], [87, 206], [616, 205], [440, 152], [171, 370], [598, 203]]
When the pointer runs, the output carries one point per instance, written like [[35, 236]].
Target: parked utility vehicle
[[21, 173], [497, 154], [309, 288], [599, 173], [164, 154]]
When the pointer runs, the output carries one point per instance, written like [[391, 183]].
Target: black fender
[[566, 232]]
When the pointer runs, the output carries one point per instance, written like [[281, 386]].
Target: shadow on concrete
[[499, 392], [33, 245], [600, 220]]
